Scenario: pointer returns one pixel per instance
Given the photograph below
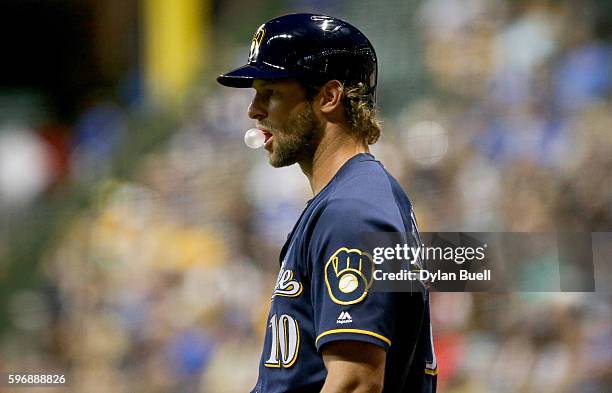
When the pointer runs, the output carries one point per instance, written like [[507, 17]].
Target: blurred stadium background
[[139, 237]]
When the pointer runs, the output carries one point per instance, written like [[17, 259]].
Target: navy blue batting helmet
[[308, 47]]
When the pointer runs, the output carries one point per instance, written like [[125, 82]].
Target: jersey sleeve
[[341, 270]]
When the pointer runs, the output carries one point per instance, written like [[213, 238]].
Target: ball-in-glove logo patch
[[348, 275]]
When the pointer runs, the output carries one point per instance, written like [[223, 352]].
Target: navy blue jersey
[[321, 294]]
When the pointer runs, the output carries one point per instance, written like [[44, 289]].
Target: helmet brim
[[244, 76]]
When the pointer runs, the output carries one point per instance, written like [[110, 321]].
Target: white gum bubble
[[254, 138]]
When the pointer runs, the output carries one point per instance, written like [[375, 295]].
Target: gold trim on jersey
[[358, 331], [431, 372]]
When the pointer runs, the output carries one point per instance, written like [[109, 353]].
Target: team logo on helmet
[[256, 42]]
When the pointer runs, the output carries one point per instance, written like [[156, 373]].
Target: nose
[[256, 110]]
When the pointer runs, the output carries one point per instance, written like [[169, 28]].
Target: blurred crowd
[[161, 282]]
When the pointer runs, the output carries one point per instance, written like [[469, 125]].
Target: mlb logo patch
[[344, 317]]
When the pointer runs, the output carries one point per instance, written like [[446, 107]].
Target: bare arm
[[353, 367]]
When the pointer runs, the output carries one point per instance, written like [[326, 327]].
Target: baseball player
[[314, 78]]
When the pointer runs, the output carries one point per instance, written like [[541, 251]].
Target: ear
[[330, 97]]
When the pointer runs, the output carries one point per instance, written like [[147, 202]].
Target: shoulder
[[364, 196], [366, 175]]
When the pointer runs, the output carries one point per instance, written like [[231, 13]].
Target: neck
[[335, 149]]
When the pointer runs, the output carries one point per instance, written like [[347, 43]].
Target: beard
[[298, 140]]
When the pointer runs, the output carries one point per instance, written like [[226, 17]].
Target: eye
[[267, 92], [263, 94]]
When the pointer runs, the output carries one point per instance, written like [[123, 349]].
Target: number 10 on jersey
[[285, 341]]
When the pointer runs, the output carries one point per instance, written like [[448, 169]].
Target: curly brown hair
[[361, 114], [359, 111]]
